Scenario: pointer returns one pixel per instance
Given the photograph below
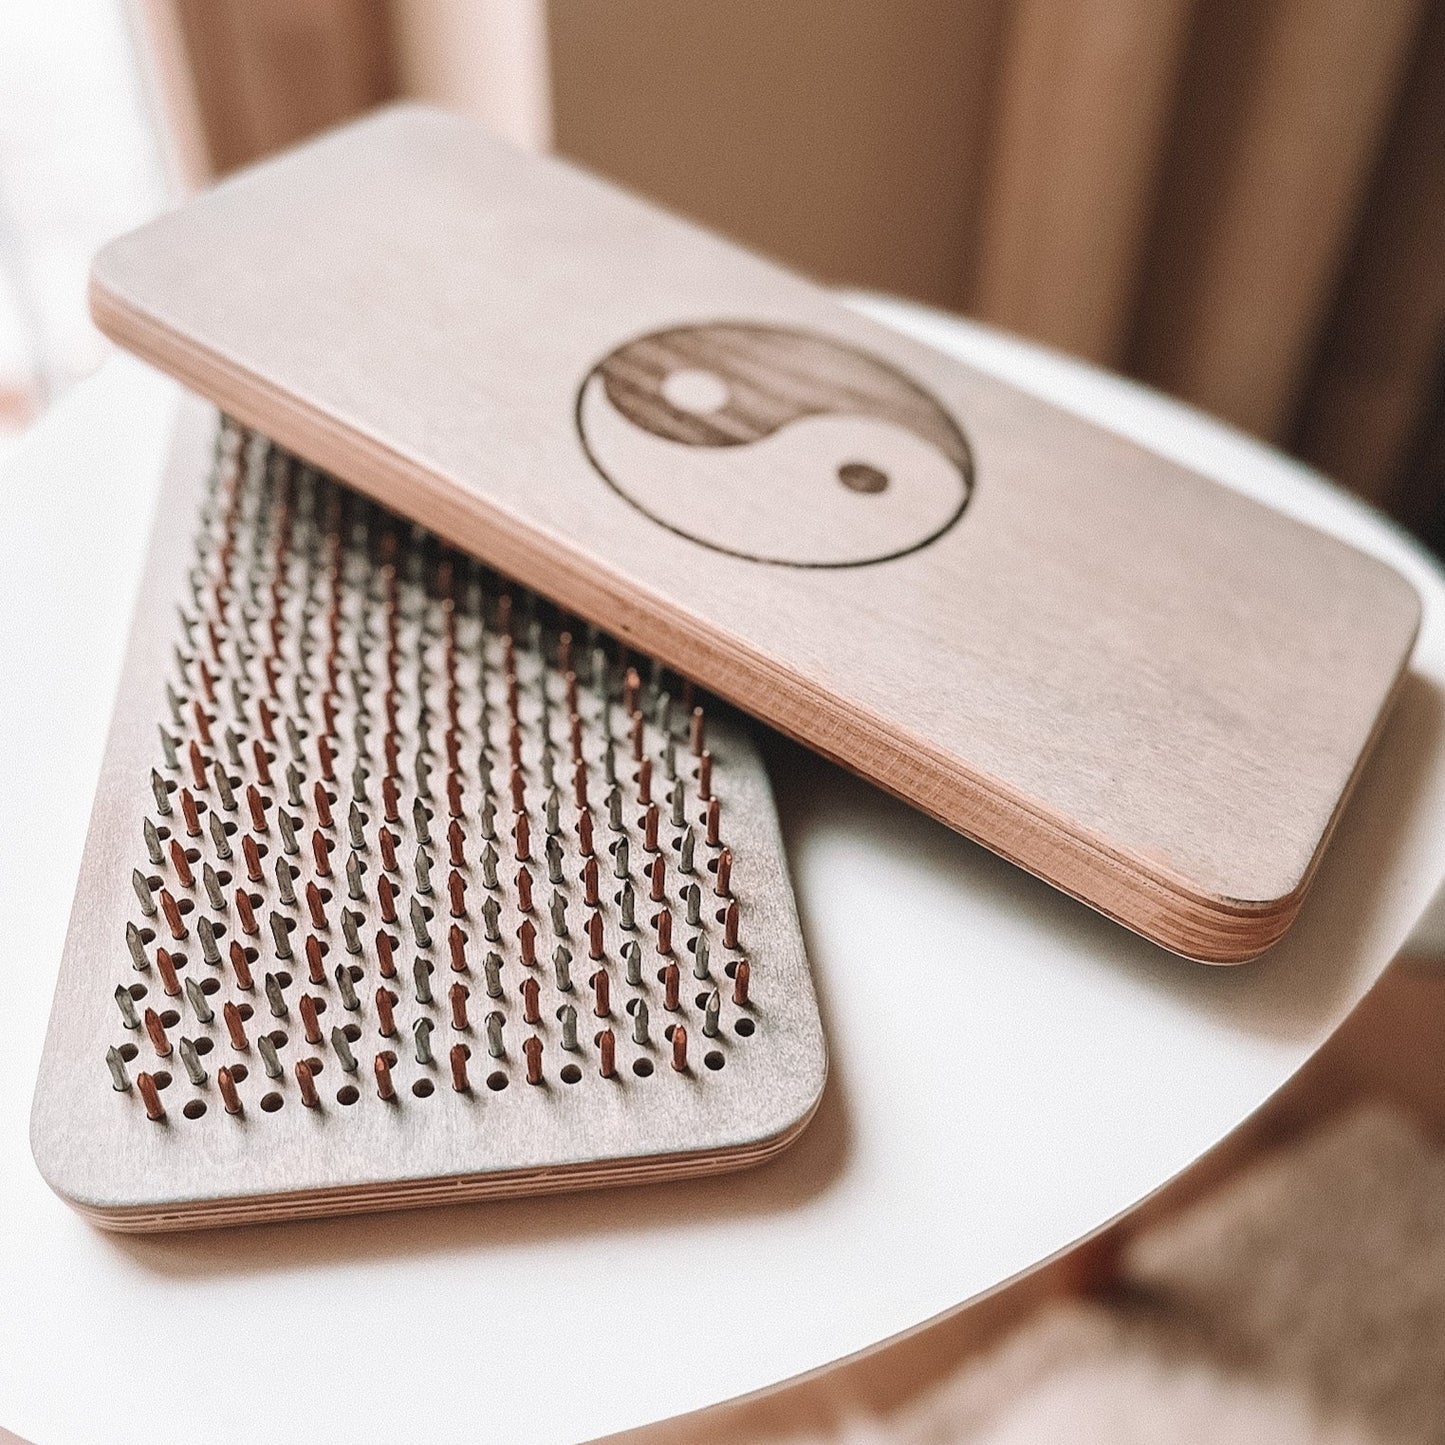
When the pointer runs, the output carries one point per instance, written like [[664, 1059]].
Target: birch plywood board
[[399, 891], [1144, 688]]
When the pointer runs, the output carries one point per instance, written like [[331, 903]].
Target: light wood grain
[[1150, 691], [742, 1096]]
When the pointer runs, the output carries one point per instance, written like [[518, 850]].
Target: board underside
[[342, 758]]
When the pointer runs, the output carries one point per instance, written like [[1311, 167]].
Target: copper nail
[[244, 913], [157, 1030], [151, 1097], [385, 1018], [594, 935], [671, 987], [714, 817], [385, 955], [724, 885], [198, 766], [644, 781], [382, 1068], [458, 996], [531, 993], [226, 1082], [316, 906], [257, 805], [181, 864], [310, 1020], [321, 851], [730, 925], [523, 833], [386, 898], [584, 834], [457, 893], [741, 976], [532, 1048], [235, 1026], [315, 964], [166, 967], [704, 776], [306, 1082], [658, 875], [459, 1056], [457, 945], [679, 1049], [524, 891], [190, 813], [263, 770], [240, 965], [664, 932], [601, 987], [649, 829], [172, 911], [606, 1053], [252, 855]]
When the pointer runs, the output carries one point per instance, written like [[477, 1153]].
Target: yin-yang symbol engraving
[[775, 445]]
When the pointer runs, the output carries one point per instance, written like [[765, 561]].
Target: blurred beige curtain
[[1242, 204]]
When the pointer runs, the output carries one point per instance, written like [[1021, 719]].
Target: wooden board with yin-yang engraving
[[404, 888], [1151, 692]]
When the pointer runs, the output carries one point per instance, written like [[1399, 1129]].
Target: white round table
[[1086, 1070]]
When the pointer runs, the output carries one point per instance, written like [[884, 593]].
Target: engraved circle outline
[[967, 473]]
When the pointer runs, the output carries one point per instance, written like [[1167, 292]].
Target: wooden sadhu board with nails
[[403, 887], [1144, 688]]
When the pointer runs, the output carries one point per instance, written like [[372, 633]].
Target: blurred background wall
[[1239, 201]]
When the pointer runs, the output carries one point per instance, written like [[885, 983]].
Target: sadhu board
[[1142, 687]]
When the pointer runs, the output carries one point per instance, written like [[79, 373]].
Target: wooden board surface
[[270, 556], [1150, 692]]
